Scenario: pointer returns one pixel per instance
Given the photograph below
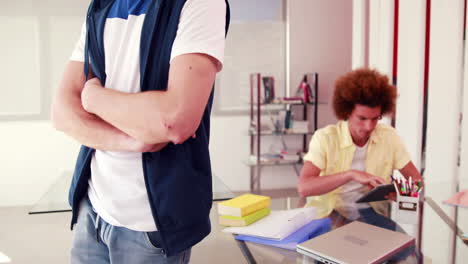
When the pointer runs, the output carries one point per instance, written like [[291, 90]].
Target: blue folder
[[312, 229]]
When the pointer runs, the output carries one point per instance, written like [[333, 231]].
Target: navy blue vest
[[177, 178]]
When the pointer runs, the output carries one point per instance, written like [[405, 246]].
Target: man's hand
[[365, 178], [391, 196], [70, 117], [87, 94], [138, 146]]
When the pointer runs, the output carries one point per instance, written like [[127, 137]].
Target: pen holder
[[407, 209]]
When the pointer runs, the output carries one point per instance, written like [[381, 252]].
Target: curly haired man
[[345, 160]]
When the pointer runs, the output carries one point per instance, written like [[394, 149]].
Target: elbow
[[181, 127], [301, 190], [301, 186], [176, 130], [178, 138], [179, 133]]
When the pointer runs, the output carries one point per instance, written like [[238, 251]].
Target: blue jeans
[[97, 242]]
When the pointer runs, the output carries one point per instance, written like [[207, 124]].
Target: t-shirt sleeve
[[401, 157], [78, 52], [201, 29], [317, 152]]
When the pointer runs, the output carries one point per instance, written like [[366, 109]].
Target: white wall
[[32, 153], [410, 76], [444, 91], [320, 41], [445, 84], [381, 17], [359, 33], [444, 100]]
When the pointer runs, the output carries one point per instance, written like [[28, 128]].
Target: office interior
[[419, 44]]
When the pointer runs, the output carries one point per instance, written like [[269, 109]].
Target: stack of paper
[[278, 225]]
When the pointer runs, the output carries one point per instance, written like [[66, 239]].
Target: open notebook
[[312, 229], [277, 225]]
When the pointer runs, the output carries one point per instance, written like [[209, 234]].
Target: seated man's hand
[[365, 178], [391, 196]]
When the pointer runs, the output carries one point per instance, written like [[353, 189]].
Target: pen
[[416, 185]]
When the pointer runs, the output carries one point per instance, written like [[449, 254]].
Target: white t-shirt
[[117, 187], [350, 192]]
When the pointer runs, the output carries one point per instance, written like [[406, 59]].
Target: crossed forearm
[[135, 114], [89, 129]]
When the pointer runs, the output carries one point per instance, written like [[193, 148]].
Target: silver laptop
[[355, 243]]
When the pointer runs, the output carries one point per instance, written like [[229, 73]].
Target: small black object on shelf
[[269, 89]]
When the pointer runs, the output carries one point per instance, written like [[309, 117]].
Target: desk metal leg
[[246, 252], [452, 224], [419, 253]]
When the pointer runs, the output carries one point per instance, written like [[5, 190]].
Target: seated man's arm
[[69, 116], [159, 116], [311, 183]]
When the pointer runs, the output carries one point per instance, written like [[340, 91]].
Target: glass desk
[[440, 244], [55, 200], [439, 231]]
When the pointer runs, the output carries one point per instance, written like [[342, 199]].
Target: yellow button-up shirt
[[332, 150]]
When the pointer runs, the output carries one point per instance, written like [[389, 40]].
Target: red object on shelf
[[304, 90]]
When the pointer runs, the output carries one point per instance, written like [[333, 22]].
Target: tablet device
[[377, 194]]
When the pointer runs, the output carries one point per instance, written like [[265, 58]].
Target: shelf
[[273, 163], [272, 133], [287, 103], [278, 104], [278, 112]]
